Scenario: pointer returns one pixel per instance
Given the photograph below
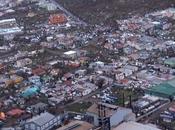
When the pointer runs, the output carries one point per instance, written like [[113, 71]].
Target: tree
[[100, 83]]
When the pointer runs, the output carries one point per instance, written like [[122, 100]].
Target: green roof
[[30, 91], [165, 89], [170, 62]]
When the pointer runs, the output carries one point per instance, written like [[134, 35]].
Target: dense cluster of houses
[[48, 63]]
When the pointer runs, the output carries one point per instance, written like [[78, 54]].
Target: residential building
[[23, 62], [44, 121], [70, 54]]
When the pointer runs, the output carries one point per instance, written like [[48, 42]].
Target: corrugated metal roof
[[42, 119]]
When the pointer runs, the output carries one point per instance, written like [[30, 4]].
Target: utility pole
[[104, 121]]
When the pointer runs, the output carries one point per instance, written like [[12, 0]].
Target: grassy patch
[[79, 107], [126, 93]]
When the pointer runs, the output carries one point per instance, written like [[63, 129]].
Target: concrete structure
[[117, 114], [134, 126]]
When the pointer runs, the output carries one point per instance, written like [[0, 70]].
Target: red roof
[[2, 116], [68, 82], [68, 75], [1, 66], [119, 46], [74, 65], [38, 71], [124, 81], [57, 19], [15, 112], [133, 26]]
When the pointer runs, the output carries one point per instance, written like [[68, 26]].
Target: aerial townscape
[[87, 64]]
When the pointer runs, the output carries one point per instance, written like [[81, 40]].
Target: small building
[[55, 72], [126, 72], [97, 64], [7, 128], [34, 79], [2, 67], [2, 116], [44, 121], [168, 115], [50, 6], [30, 91], [38, 108], [119, 75], [83, 91], [9, 27], [80, 73], [23, 62], [38, 71], [55, 100], [146, 104], [68, 76], [16, 79], [130, 67], [70, 54]]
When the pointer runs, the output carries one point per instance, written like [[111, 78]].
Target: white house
[[70, 54], [119, 75]]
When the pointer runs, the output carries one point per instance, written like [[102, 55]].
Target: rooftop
[[42, 118], [77, 125], [166, 89], [70, 52], [110, 109], [134, 126]]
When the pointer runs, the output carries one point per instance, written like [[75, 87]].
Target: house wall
[[119, 116], [32, 126], [96, 121]]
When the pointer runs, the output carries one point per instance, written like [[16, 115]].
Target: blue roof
[[31, 91]]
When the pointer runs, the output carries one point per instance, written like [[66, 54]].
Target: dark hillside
[[106, 11]]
